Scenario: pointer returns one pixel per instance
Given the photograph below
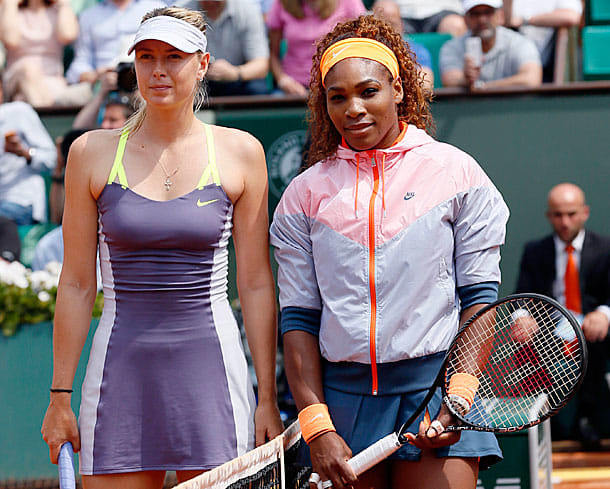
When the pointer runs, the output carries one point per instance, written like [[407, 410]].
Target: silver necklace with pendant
[[168, 182]]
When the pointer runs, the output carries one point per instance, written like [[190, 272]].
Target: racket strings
[[520, 380]]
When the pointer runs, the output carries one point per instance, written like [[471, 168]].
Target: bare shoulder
[[239, 145], [94, 144], [92, 154]]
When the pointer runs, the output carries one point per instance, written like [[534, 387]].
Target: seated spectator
[[300, 24], [34, 33], [505, 58], [10, 244], [106, 31], [238, 46], [432, 16], [26, 153], [51, 246], [388, 10], [108, 109], [538, 20], [572, 265]]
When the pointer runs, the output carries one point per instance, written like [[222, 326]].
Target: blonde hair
[[324, 8], [192, 17]]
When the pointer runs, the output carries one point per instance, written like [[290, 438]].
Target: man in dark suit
[[573, 266]]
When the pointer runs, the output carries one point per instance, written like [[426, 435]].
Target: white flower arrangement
[[28, 297]]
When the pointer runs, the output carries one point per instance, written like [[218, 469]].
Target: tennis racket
[[529, 356], [65, 467]]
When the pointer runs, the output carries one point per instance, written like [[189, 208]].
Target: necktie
[[572, 286]]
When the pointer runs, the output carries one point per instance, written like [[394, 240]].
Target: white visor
[[178, 33]]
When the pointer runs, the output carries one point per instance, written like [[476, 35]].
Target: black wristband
[[68, 391], [57, 178]]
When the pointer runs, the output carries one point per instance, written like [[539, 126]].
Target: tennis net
[[271, 466]]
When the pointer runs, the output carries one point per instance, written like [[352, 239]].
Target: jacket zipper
[[372, 287]]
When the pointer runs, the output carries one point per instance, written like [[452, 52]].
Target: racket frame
[[464, 424]]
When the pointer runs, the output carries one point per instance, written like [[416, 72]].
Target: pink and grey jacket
[[381, 245]]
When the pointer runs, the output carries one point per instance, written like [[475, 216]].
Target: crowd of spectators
[[62, 52]]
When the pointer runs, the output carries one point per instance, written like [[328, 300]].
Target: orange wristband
[[315, 421], [463, 385]]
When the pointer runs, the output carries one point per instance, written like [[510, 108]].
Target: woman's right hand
[[329, 455], [59, 425]]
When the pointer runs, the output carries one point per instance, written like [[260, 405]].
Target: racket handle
[[374, 454], [66, 467]]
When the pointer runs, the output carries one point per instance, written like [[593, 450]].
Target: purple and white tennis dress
[[167, 385]]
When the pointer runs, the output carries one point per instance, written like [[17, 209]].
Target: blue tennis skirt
[[362, 418]]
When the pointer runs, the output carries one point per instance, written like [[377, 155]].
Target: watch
[[31, 153]]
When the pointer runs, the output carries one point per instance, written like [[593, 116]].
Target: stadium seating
[[433, 42], [595, 52], [598, 12]]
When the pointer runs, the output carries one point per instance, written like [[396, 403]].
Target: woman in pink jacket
[[385, 244]]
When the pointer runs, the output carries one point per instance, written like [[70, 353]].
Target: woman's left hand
[[432, 435], [267, 422]]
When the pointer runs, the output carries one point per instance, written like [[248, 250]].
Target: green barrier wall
[[527, 144], [25, 377]]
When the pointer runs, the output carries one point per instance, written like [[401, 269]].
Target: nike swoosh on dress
[[201, 204]]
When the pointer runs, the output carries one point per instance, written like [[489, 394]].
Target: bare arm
[[529, 75], [255, 68], [454, 78], [87, 116], [562, 17], [285, 82], [10, 24], [256, 287], [67, 23], [222, 70], [303, 365], [75, 297]]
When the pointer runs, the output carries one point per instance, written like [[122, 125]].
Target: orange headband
[[358, 47]]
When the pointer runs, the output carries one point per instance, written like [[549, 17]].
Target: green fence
[[25, 377]]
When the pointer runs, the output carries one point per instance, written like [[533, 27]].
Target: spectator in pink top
[[34, 33], [301, 23]]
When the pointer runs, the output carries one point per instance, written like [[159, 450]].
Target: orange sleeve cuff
[[463, 385], [315, 421]]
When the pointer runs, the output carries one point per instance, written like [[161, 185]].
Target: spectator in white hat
[[489, 55]]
